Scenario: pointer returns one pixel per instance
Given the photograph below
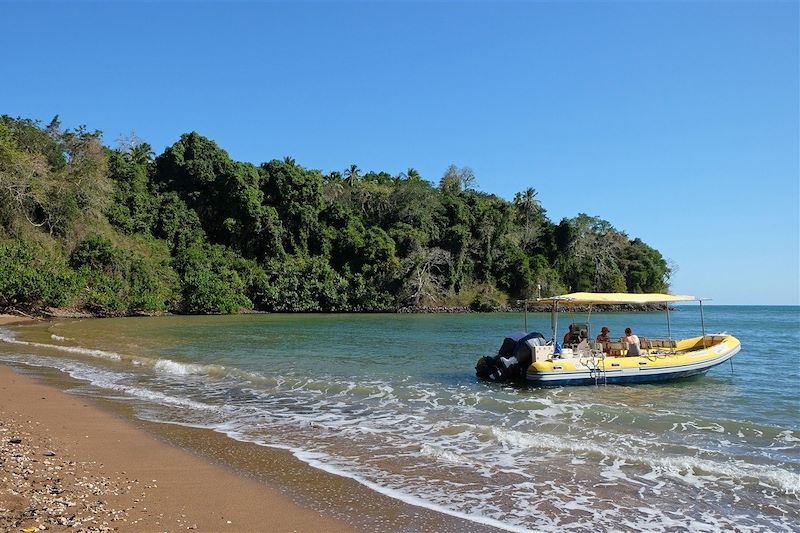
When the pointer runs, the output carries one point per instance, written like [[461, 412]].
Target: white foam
[[446, 455], [166, 366], [4, 337], [169, 366], [108, 380], [682, 467], [157, 397], [319, 461], [770, 475]]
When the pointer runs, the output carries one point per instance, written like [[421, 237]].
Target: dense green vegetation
[[120, 231]]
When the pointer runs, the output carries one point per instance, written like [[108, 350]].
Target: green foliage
[[120, 281], [95, 252], [304, 284], [176, 223], [644, 269], [51, 178], [225, 195], [296, 194], [210, 279], [121, 231], [32, 277], [487, 298], [133, 207]]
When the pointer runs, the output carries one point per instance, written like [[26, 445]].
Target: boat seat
[[644, 344], [663, 344], [614, 348]]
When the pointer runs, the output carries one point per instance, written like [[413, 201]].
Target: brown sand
[[86, 464], [69, 466], [6, 320]]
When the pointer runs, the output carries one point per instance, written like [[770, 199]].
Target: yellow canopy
[[609, 298]]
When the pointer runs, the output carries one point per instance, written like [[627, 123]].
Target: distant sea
[[392, 402]]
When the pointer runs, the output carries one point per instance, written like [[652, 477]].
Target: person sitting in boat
[[632, 342], [573, 336], [603, 337]]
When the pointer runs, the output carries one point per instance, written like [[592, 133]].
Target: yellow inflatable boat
[[657, 361], [541, 362]]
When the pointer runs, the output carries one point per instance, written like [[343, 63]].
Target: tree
[[119, 230], [645, 270], [352, 175], [333, 186], [410, 174], [227, 195], [529, 207], [52, 178], [129, 142], [456, 180], [425, 280], [133, 207], [296, 194]]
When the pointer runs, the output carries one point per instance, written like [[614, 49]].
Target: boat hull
[[688, 359]]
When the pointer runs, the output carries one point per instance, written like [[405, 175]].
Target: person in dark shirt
[[603, 337]]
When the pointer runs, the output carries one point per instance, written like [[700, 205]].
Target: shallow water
[[392, 401]]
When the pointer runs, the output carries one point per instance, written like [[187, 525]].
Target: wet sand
[[72, 463], [7, 320], [68, 465]]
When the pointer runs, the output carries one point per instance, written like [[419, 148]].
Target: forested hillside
[[122, 231]]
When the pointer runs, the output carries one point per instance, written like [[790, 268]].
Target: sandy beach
[[7, 320], [69, 466], [73, 463]]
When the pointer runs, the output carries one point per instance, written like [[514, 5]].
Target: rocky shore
[[49, 313], [48, 490]]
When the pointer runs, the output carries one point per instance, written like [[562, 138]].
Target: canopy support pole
[[703, 323], [554, 321], [526, 315], [589, 324], [669, 324]]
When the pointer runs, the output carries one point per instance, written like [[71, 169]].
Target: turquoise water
[[392, 401]]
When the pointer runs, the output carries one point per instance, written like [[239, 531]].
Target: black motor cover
[[512, 359]]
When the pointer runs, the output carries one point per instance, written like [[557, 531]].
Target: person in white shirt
[[632, 341]]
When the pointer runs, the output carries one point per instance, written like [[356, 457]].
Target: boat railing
[[648, 347]]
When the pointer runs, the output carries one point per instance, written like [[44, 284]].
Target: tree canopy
[[121, 231]]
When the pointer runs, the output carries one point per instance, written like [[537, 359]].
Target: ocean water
[[392, 402]]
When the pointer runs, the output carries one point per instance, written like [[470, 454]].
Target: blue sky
[[675, 121]]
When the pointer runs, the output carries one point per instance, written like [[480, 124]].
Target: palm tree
[[352, 175], [333, 185], [141, 153], [529, 205], [409, 175], [333, 176]]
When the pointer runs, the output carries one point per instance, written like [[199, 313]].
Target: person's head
[[570, 327], [628, 331], [604, 331]]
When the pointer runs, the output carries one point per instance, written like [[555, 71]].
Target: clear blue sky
[[675, 121]]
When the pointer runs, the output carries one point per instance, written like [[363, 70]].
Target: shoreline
[[185, 478], [72, 465], [7, 317]]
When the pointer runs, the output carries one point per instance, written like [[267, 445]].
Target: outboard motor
[[512, 359]]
